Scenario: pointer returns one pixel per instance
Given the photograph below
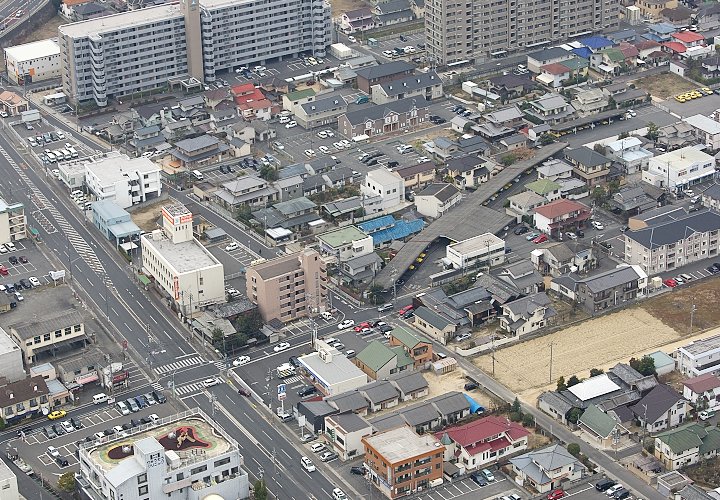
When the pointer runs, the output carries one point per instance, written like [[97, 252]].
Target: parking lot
[[35, 267], [467, 489], [702, 105]]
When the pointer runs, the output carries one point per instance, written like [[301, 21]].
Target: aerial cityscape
[[352, 249]]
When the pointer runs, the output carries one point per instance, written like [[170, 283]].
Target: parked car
[[604, 484], [671, 283], [358, 471], [556, 494], [470, 386], [328, 456], [704, 415], [479, 479], [540, 239]]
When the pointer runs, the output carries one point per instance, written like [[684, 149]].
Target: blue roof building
[[583, 52], [386, 229], [114, 222], [596, 42]]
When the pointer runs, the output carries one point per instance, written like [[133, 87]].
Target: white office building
[[8, 483], [485, 249], [184, 456], [679, 169], [185, 43], [188, 273], [386, 184], [12, 222], [124, 180], [699, 357], [33, 62]]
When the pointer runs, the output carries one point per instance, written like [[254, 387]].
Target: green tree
[[2, 424], [573, 449], [546, 139], [66, 482], [508, 159], [573, 415], [516, 416], [599, 148], [561, 386], [217, 338], [260, 490], [613, 187], [624, 135], [652, 131], [573, 380], [248, 324], [528, 420], [596, 371], [516, 406], [599, 195], [269, 173], [375, 293], [645, 365], [243, 213]]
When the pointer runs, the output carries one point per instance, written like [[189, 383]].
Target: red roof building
[[560, 216], [705, 388], [251, 102], [689, 38], [555, 69], [483, 441], [675, 47]]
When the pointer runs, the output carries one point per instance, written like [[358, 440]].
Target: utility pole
[[551, 360], [492, 340], [692, 317]]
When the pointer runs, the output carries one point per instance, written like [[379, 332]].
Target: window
[[77, 328], [142, 478], [46, 337], [142, 490], [198, 470], [222, 462]]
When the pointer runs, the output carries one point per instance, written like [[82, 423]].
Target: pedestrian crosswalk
[[291, 380], [157, 386], [177, 365], [186, 389], [78, 243], [220, 364]]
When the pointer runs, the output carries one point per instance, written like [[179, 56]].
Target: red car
[[670, 283], [405, 309], [556, 494], [362, 325], [4, 271], [540, 239]]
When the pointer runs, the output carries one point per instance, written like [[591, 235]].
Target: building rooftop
[[278, 267], [383, 70], [476, 243], [115, 168], [411, 83], [108, 209], [681, 158], [401, 444], [122, 21], [334, 369], [341, 236], [703, 346], [703, 123], [376, 112], [383, 176], [560, 207], [674, 230], [58, 307], [22, 390], [34, 50], [349, 422], [185, 257], [594, 387], [439, 191]]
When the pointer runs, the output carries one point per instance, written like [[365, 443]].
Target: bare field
[[595, 343], [664, 85], [674, 308], [342, 6], [146, 218], [453, 381]]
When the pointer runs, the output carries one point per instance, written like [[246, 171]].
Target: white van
[[326, 315], [198, 175], [307, 464], [100, 398], [284, 119]]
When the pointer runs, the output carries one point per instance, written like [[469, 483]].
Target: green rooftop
[[600, 423], [406, 337], [376, 355], [403, 359], [575, 63], [543, 186], [615, 55], [300, 94], [341, 236], [683, 438]]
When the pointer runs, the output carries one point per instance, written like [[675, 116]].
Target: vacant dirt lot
[[664, 85], [594, 343], [673, 309], [453, 381], [339, 7], [146, 218]]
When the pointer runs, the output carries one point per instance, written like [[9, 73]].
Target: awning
[[143, 279], [87, 378], [545, 78], [128, 246]]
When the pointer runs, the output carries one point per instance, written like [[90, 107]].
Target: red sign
[[121, 377], [176, 287]]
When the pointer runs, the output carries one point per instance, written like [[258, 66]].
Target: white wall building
[[706, 130], [699, 357], [332, 371], [344, 433], [8, 483], [630, 153], [679, 169], [11, 360], [389, 185], [124, 180], [180, 264], [12, 222], [485, 248], [33, 62], [345, 243], [155, 468]]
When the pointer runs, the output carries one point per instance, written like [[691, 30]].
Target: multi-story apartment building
[[468, 31], [140, 50], [679, 169], [673, 243], [12, 222], [183, 456], [126, 181], [290, 287], [699, 357], [401, 462]]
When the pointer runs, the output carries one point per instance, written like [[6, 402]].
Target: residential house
[[410, 385], [245, 191], [553, 75], [386, 184], [345, 243], [442, 148], [467, 171], [605, 290], [393, 117], [437, 199], [426, 86], [629, 153], [555, 258], [524, 204], [549, 190], [710, 66], [600, 426], [551, 109], [660, 409], [383, 73], [689, 45], [511, 117], [344, 433], [289, 188], [527, 314], [513, 142], [590, 101], [484, 441], [608, 62], [416, 175], [419, 350], [546, 468], [379, 361], [686, 445], [675, 135], [706, 130], [339, 177], [13, 104], [320, 112], [511, 86], [703, 391], [560, 216], [348, 208], [554, 169], [523, 276], [434, 325], [589, 165], [350, 401], [199, 151], [670, 243], [386, 229], [381, 395], [24, 399], [537, 60], [632, 200], [357, 20], [679, 16], [146, 138], [392, 12], [293, 100], [293, 214]]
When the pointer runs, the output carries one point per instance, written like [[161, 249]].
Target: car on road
[[358, 471], [704, 415], [405, 309], [339, 494], [307, 464], [556, 494], [328, 456], [244, 392], [352, 39], [571, 236], [241, 360], [598, 225], [540, 239], [209, 382], [281, 347], [345, 324], [671, 283], [54, 415], [317, 447], [232, 246], [479, 479]]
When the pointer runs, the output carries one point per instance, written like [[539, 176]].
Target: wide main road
[[130, 313]]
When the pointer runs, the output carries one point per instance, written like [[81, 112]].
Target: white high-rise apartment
[[471, 30], [115, 56]]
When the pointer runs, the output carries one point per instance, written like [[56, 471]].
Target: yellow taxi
[[57, 414], [706, 90], [680, 98]]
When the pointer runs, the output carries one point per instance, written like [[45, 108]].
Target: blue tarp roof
[[400, 230], [583, 52], [474, 406], [370, 226], [596, 42]]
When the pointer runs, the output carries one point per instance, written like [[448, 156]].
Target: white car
[[352, 39], [330, 133], [462, 336], [56, 173], [338, 145], [324, 149], [311, 61], [597, 225], [52, 452], [278, 146], [209, 382], [232, 246], [339, 494], [309, 152], [388, 53], [317, 447], [242, 360], [346, 143], [291, 124], [34, 281], [19, 296], [423, 159], [346, 324], [281, 347], [322, 134]]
